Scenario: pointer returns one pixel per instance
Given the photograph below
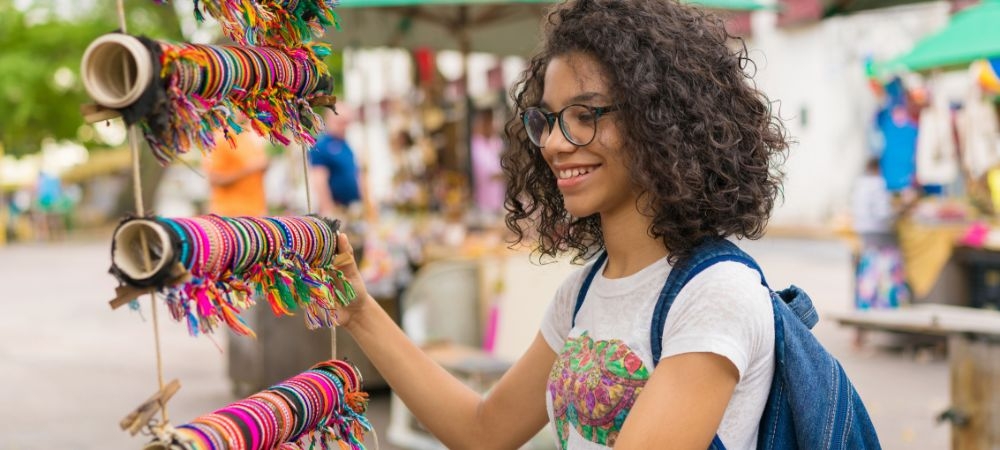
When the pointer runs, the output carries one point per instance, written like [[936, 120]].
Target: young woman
[[640, 135]]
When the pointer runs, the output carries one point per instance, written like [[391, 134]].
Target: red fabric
[[738, 24], [424, 58], [799, 12]]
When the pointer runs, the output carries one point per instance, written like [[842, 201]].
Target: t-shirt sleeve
[[317, 157], [723, 310], [558, 319]]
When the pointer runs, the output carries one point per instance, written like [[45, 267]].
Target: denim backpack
[[811, 404]]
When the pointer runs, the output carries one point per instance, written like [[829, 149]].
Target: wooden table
[[974, 358]]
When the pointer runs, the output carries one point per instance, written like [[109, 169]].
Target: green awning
[[732, 5], [971, 34]]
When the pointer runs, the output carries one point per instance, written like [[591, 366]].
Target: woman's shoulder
[[729, 275], [730, 287], [725, 309]]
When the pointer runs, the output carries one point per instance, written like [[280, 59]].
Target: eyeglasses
[[578, 123]]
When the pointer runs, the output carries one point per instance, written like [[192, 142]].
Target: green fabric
[[971, 34], [735, 5]]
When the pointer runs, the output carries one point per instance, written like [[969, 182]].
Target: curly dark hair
[[701, 139]]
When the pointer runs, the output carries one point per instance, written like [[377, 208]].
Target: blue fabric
[[336, 156], [811, 403], [899, 160], [49, 191], [586, 285]]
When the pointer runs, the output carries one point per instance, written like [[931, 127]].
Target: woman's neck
[[628, 243]]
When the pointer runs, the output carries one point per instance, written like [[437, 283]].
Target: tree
[[40, 87]]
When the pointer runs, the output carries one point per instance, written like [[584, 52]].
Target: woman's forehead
[[574, 77]]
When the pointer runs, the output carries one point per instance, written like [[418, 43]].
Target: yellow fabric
[[993, 180], [926, 249]]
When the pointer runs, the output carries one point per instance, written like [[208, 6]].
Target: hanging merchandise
[[322, 407], [937, 159], [179, 93], [211, 268], [900, 135], [269, 22], [979, 134]]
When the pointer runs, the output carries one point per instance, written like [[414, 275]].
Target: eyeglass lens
[[577, 122]]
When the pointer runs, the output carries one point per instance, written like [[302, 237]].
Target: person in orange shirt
[[236, 188], [236, 176]]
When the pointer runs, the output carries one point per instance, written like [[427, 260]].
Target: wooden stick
[[125, 294], [325, 100], [139, 417], [93, 113]]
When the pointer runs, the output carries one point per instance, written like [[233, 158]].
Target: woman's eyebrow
[[586, 97], [579, 98]]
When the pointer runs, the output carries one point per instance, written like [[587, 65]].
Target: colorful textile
[[881, 282], [593, 387]]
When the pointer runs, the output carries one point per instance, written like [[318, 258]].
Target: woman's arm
[[682, 405], [462, 419]]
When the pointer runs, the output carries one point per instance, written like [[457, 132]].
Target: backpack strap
[[703, 256], [598, 263]]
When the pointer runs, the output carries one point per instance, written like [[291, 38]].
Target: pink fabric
[[975, 236], [488, 175]]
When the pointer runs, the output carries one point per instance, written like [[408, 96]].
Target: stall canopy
[[971, 34], [508, 27]]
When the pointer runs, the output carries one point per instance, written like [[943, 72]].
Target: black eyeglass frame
[[551, 117]]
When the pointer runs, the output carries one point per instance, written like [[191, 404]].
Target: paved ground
[[70, 368]]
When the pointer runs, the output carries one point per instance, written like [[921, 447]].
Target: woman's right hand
[[345, 262]]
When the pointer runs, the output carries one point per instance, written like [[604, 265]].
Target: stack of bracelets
[[179, 94], [321, 406], [269, 22], [206, 85], [288, 261]]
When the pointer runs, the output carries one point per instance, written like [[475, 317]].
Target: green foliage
[[335, 62], [41, 47]]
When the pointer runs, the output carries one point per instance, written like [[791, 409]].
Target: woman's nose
[[556, 142]]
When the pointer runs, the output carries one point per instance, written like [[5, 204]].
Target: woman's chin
[[577, 210]]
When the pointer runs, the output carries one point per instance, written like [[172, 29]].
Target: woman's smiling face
[[592, 178]]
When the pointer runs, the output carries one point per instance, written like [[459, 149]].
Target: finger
[[346, 255], [343, 244]]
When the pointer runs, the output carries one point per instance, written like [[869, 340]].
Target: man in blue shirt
[[334, 172]]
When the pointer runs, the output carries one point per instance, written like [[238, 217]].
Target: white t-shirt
[[606, 360]]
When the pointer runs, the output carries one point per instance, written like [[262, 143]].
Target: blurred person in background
[[333, 173], [236, 175], [49, 207], [880, 281], [488, 179]]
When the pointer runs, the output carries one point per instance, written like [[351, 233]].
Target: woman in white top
[[640, 135]]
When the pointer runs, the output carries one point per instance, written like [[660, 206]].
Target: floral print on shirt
[[593, 385]]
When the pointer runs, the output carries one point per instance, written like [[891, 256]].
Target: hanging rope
[[177, 95], [140, 209]]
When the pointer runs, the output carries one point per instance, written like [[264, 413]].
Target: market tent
[[493, 26], [971, 34]]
